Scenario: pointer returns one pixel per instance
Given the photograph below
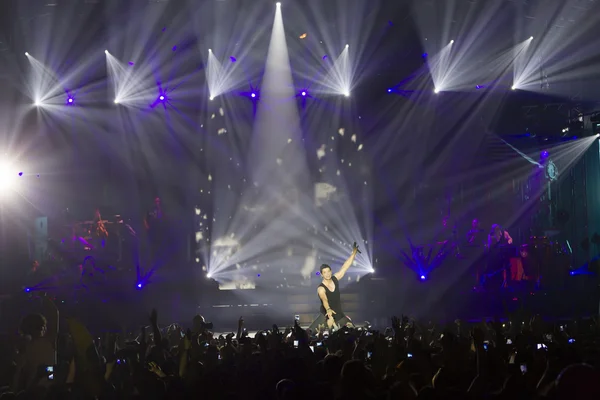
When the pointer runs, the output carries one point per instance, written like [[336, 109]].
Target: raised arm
[[340, 274], [52, 318]]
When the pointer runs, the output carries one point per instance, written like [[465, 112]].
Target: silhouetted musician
[[476, 235], [498, 238], [500, 251]]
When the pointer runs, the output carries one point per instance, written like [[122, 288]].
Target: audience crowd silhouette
[[512, 359]]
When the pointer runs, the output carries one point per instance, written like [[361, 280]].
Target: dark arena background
[[206, 157]]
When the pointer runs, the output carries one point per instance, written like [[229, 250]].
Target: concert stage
[[115, 301]]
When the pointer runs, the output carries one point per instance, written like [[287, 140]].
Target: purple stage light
[[161, 98], [233, 59], [20, 174], [389, 90], [70, 100], [27, 290], [425, 55], [303, 93], [325, 57], [139, 285], [544, 154], [174, 48], [131, 63], [423, 277], [477, 87], [253, 95]]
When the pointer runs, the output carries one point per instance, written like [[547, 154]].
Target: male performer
[[474, 235], [329, 292], [498, 237], [498, 258]]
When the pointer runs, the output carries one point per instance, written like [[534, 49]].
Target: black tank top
[[333, 298]]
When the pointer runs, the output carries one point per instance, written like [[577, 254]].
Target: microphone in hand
[[355, 247]]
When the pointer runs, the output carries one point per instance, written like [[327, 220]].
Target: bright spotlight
[[36, 103], [253, 95], [209, 50], [436, 91], [347, 45], [452, 41], [303, 93], [70, 100], [105, 51], [161, 98], [211, 98], [531, 38], [347, 94], [278, 4], [513, 87], [116, 101], [208, 275], [423, 277], [27, 54], [8, 176]]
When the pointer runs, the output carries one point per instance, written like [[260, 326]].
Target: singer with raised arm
[[329, 292]]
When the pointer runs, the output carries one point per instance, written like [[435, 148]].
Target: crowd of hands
[[513, 359]]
